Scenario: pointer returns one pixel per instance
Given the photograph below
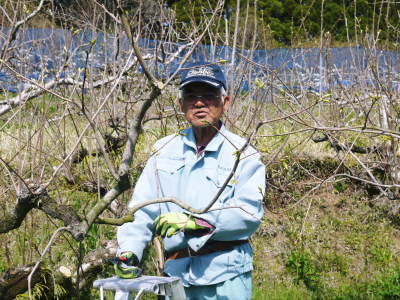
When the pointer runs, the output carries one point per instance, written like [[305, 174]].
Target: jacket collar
[[190, 140]]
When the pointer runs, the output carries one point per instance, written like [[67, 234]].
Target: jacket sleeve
[[134, 236], [240, 216]]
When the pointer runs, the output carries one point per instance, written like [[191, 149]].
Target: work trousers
[[236, 288]]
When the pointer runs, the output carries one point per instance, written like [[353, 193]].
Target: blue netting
[[41, 53]]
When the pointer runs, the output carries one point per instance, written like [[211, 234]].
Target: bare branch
[[127, 28], [218, 8], [118, 21], [38, 89], [41, 258], [14, 281], [36, 197], [14, 219], [343, 146], [115, 222], [13, 32]]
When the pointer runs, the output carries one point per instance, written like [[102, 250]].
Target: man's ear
[[180, 103], [227, 102]]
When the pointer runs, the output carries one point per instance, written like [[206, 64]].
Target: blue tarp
[[40, 53]]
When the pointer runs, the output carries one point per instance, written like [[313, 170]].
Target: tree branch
[[342, 146], [36, 89], [12, 220], [14, 281], [127, 28], [36, 197], [124, 183], [115, 222], [41, 258], [13, 32]]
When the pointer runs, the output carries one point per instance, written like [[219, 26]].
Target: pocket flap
[[219, 177], [169, 165]]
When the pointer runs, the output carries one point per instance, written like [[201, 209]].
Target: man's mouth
[[200, 114]]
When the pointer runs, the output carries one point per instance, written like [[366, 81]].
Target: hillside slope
[[337, 243]]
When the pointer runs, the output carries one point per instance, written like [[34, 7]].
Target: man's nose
[[199, 101]]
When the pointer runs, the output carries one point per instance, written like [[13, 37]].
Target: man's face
[[203, 104]]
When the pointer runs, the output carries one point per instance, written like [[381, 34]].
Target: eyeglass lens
[[204, 97]]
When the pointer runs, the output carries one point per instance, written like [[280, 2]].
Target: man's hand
[[168, 224], [125, 265]]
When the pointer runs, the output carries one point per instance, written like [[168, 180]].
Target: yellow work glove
[[166, 225]]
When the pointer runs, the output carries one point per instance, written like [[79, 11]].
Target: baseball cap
[[208, 73]]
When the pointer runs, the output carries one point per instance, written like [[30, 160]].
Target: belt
[[209, 247]]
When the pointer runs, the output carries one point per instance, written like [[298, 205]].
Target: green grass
[[281, 292], [337, 246], [383, 286]]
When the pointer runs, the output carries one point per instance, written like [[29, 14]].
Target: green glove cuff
[[192, 225], [125, 265], [130, 258], [126, 272]]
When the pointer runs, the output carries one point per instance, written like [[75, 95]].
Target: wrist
[[129, 258], [202, 227]]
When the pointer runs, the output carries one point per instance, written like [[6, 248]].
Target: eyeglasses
[[205, 98]]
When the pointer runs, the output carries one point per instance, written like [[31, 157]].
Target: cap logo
[[202, 71]]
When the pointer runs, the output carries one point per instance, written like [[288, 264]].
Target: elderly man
[[210, 252]]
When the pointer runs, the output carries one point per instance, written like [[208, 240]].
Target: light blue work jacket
[[175, 170]]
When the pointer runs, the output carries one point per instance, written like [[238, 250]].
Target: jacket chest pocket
[[169, 173], [217, 179], [169, 166]]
